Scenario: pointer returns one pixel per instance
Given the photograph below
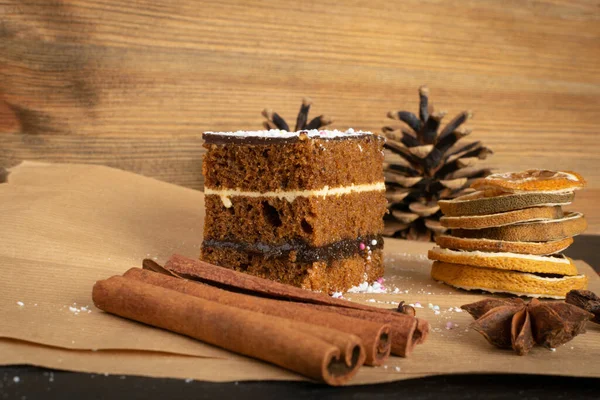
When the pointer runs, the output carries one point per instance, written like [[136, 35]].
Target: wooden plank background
[[133, 84]]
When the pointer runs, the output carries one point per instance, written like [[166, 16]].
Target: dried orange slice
[[572, 224], [497, 246], [496, 280], [494, 201], [558, 264], [532, 180], [502, 219]]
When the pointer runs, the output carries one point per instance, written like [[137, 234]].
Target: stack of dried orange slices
[[508, 235]]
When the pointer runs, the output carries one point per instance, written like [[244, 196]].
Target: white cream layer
[[290, 196], [482, 254]]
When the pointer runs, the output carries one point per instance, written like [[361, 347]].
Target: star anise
[[274, 120], [587, 300], [512, 323]]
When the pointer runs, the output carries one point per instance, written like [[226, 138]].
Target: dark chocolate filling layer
[[304, 252], [257, 140]]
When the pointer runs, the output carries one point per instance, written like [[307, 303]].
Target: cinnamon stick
[[404, 335], [320, 353], [375, 336]]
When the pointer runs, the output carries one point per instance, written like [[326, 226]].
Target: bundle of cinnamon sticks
[[318, 336]]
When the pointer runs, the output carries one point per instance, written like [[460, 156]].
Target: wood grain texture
[[133, 84]]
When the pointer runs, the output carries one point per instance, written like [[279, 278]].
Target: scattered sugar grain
[[552, 349], [337, 295], [364, 287], [397, 369], [188, 380], [16, 379], [20, 303]]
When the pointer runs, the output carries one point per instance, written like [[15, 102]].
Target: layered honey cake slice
[[303, 208]]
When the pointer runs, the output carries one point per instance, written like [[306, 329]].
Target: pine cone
[[274, 121], [425, 166]]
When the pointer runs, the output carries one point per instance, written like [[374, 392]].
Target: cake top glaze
[[280, 135], [276, 133]]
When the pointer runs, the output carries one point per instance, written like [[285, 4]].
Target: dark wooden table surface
[[26, 382]]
